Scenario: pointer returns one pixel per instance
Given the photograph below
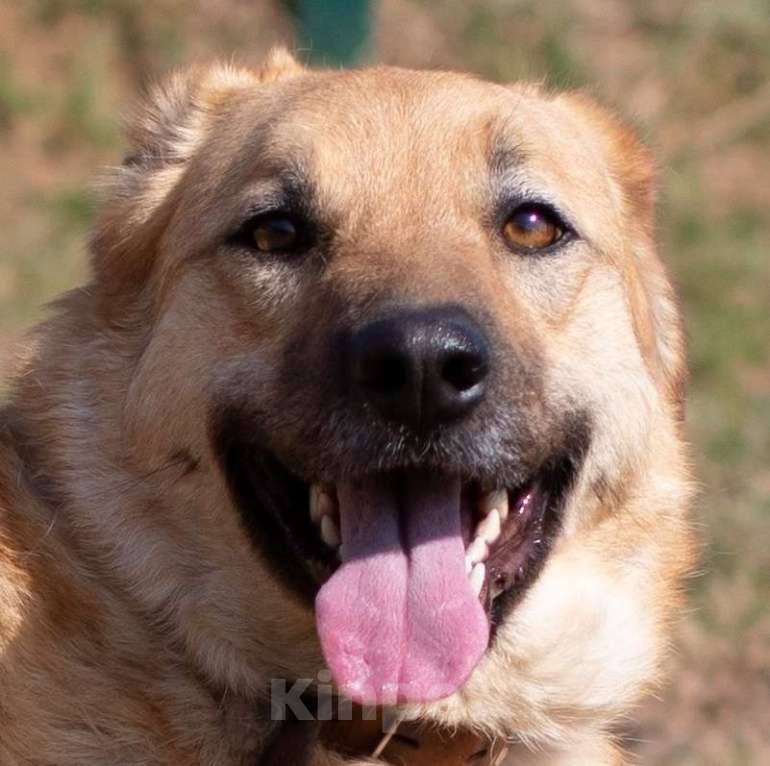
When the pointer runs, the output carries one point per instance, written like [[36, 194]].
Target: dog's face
[[415, 325]]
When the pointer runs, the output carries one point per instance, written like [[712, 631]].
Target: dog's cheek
[[202, 335], [595, 364], [166, 435]]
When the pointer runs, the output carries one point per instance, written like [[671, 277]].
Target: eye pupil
[[275, 234], [532, 227]]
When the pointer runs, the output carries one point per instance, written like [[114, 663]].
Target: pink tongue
[[398, 621]]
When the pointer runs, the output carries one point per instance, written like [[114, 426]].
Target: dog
[[378, 375]]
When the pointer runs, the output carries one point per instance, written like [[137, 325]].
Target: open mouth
[[411, 570], [505, 533], [425, 560]]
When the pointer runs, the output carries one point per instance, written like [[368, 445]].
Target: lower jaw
[[425, 558], [293, 525]]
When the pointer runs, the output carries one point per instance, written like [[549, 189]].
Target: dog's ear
[[171, 122], [657, 318], [163, 133], [279, 65]]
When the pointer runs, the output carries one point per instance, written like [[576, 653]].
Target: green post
[[332, 32]]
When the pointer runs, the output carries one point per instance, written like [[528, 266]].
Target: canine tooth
[[315, 516], [497, 499], [477, 551], [476, 578], [330, 534], [489, 528], [321, 504]]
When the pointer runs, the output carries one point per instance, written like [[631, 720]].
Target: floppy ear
[[656, 314], [163, 133]]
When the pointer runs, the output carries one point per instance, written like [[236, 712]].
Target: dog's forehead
[[390, 111], [434, 137], [374, 132]]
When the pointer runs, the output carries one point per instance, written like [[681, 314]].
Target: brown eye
[[533, 227], [275, 234]]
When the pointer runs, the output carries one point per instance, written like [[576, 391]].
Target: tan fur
[[137, 624]]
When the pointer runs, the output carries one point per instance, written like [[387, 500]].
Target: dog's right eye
[[273, 233], [533, 227]]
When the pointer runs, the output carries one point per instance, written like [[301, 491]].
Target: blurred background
[[694, 76]]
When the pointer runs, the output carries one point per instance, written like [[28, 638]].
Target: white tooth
[[498, 498], [476, 578], [477, 551], [489, 528], [315, 517], [330, 534], [321, 503], [326, 504]]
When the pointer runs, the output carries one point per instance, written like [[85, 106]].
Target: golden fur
[[138, 625]]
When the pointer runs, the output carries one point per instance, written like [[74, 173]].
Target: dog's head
[[415, 324]]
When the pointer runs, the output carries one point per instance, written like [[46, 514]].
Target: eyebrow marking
[[503, 152], [288, 188], [502, 157]]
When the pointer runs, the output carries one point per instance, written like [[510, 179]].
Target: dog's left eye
[[532, 227], [274, 233]]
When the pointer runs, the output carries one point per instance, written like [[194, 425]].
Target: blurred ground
[[696, 77]]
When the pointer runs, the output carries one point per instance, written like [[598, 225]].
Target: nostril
[[463, 370]]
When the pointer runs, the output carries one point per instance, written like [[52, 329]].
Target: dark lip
[[273, 503], [273, 507]]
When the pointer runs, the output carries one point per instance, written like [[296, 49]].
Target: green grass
[[15, 100], [48, 253]]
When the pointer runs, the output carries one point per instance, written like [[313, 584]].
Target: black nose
[[421, 368]]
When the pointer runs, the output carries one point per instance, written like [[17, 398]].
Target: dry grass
[[695, 74]]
